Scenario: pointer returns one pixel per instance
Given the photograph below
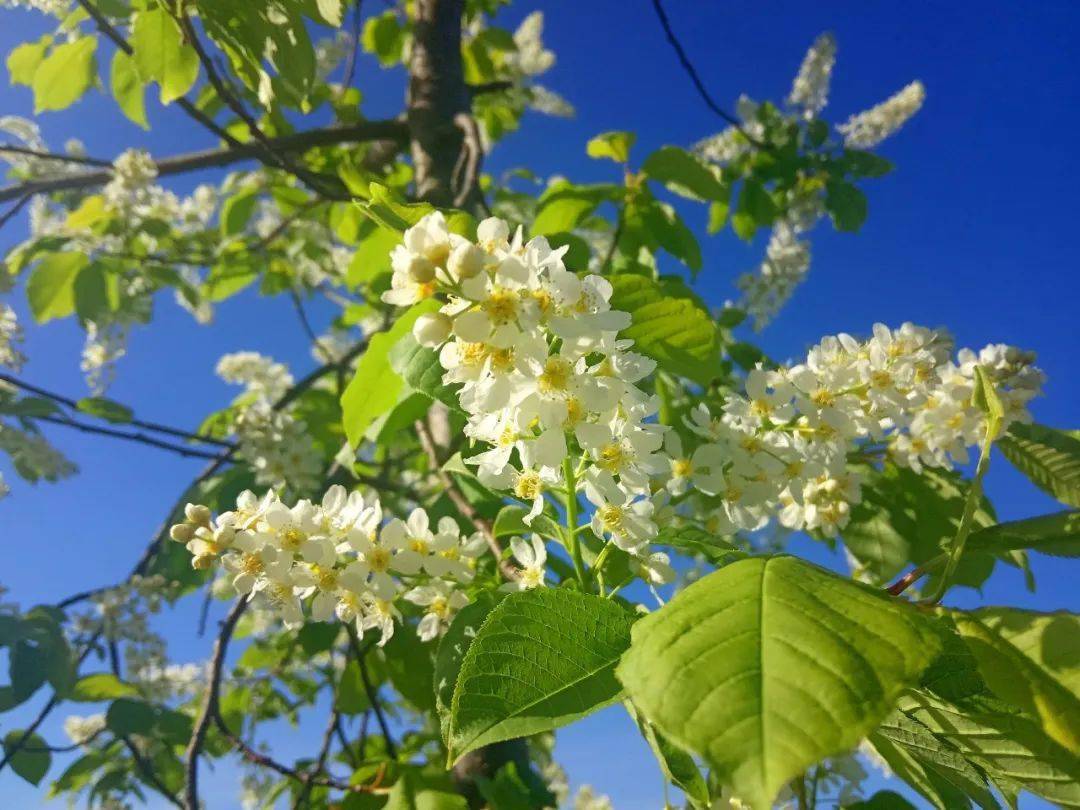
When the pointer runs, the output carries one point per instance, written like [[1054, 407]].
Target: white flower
[[441, 600], [869, 128], [810, 91], [624, 516], [532, 557], [80, 729]]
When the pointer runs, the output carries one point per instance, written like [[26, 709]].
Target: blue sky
[[973, 231]]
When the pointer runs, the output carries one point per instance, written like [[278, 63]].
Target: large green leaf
[[451, 653], [543, 658], [1002, 743], [1057, 534], [162, 55], [23, 61], [375, 386], [100, 686], [1049, 457], [769, 665], [686, 174], [65, 74], [1019, 666], [678, 766], [670, 325], [51, 286], [564, 206], [907, 517], [614, 145]]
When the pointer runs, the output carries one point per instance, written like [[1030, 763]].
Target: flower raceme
[[559, 407]]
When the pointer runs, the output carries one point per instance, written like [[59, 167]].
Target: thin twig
[[372, 694], [81, 160], [350, 59], [320, 760], [691, 71], [140, 438], [459, 500], [68, 402], [209, 708], [390, 131], [7, 216]]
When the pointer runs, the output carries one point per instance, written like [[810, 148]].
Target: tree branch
[[68, 402], [209, 709], [460, 501], [691, 71], [372, 694], [391, 131], [141, 438], [81, 160]]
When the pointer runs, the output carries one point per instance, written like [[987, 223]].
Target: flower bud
[[421, 270], [466, 261], [197, 514], [182, 532], [202, 562], [432, 329], [491, 232]]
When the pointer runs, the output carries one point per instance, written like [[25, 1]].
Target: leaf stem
[[571, 521]]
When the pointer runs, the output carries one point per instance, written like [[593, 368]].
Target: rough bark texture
[[439, 104]]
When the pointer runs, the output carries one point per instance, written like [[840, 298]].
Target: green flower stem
[[972, 502], [572, 521]]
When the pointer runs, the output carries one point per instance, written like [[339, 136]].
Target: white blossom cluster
[[781, 450], [784, 268], [787, 259], [105, 344], [11, 335], [340, 554], [274, 443], [54, 8], [81, 729], [868, 129], [810, 90], [548, 387], [123, 614]]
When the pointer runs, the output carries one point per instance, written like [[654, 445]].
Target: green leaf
[[718, 216], [96, 294], [372, 256], [687, 175], [986, 399], [614, 145], [32, 761], [1057, 534], [410, 669], [668, 229], [769, 665], [51, 286], [695, 541], [755, 200], [1050, 458], [162, 55], [23, 61], [865, 164], [846, 205], [511, 521], [1002, 743], [1009, 651], [127, 88], [906, 517], [318, 637], [384, 37], [420, 368], [236, 211], [883, 800], [65, 74], [564, 206], [669, 324], [677, 766], [411, 793], [942, 771], [451, 652], [105, 409], [129, 716], [352, 697], [100, 686], [375, 386], [386, 209], [542, 659]]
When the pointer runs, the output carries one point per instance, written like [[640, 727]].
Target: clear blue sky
[[973, 231]]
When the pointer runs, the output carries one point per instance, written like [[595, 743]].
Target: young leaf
[[375, 386], [65, 74], [1050, 458], [613, 145], [769, 665], [543, 658], [127, 88], [100, 686], [51, 286], [669, 324], [564, 206], [420, 368], [162, 55], [846, 205], [686, 175], [23, 61]]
